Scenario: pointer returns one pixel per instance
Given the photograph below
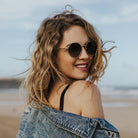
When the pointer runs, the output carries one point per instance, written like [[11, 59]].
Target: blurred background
[[114, 21]]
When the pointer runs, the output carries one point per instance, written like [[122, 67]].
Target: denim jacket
[[51, 123]]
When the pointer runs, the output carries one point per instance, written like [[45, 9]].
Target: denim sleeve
[[23, 123]]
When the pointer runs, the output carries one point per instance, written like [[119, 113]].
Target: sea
[[112, 93], [119, 92], [120, 96]]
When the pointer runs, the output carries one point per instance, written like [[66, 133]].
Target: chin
[[81, 77], [78, 76]]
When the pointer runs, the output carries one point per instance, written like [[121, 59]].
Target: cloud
[[113, 13], [21, 9], [130, 12], [20, 14], [29, 26], [131, 9]]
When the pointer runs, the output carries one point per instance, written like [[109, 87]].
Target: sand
[[125, 118]]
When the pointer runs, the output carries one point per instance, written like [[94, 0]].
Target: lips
[[82, 66]]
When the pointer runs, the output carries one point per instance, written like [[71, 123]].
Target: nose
[[83, 54]]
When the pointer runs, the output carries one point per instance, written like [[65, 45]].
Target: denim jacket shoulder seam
[[70, 128]]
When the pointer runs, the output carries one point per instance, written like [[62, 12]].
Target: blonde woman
[[63, 101]]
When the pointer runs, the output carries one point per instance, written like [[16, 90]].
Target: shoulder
[[78, 89], [84, 89], [88, 97]]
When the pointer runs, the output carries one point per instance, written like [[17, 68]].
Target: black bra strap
[[62, 97]]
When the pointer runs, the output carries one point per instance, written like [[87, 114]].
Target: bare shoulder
[[79, 88], [89, 99], [80, 85], [84, 88]]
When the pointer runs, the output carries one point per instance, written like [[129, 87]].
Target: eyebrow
[[86, 42], [78, 43]]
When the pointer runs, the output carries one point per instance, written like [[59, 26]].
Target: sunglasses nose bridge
[[85, 47], [83, 53]]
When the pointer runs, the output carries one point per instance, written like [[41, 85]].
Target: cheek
[[64, 61]]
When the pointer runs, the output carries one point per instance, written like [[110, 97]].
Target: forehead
[[74, 34]]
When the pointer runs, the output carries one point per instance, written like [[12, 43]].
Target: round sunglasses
[[75, 49]]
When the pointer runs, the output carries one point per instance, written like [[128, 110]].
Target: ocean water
[[9, 90], [127, 93], [120, 92], [110, 92]]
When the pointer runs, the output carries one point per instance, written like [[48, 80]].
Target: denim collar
[[79, 125]]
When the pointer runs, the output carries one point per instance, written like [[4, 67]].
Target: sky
[[115, 20]]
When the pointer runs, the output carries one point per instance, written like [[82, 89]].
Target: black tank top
[[62, 97]]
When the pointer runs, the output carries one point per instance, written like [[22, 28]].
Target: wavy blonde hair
[[43, 69]]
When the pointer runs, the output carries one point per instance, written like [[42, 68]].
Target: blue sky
[[114, 20]]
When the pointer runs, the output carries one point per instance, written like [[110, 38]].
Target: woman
[[63, 100]]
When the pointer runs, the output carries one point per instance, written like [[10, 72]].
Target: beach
[[121, 112], [125, 118], [11, 107]]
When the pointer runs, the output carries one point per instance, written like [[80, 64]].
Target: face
[[75, 68]]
